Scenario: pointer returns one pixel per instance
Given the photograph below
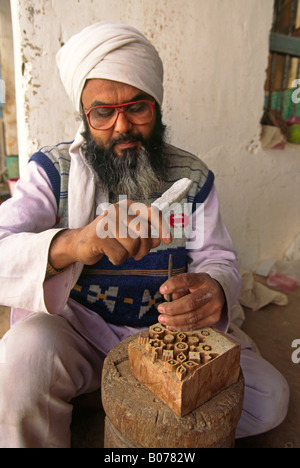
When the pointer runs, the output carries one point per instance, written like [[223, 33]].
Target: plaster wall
[[8, 73], [215, 56]]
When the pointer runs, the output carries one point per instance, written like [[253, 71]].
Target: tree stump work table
[[137, 418]]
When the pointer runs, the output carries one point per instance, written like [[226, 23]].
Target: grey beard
[[136, 179], [136, 175]]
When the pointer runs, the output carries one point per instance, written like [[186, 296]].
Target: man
[[83, 269]]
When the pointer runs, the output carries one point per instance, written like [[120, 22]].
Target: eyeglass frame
[[117, 106]]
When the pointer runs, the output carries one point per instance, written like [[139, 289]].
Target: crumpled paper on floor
[[254, 296]]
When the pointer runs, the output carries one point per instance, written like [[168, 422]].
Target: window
[[282, 96]]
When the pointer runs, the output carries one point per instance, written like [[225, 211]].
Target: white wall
[[7, 62], [215, 55]]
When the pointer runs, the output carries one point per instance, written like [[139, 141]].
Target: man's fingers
[[127, 218], [185, 304], [176, 295], [190, 321], [115, 252], [159, 224], [185, 281], [199, 304], [137, 227], [206, 315]]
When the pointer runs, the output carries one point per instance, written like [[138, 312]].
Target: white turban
[[114, 52]]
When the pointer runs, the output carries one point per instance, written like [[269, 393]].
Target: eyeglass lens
[[104, 117]]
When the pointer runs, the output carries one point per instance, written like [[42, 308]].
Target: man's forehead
[[99, 91]]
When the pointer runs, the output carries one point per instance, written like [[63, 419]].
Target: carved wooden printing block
[[184, 369]]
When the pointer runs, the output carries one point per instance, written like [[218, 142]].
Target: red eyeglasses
[[105, 117]]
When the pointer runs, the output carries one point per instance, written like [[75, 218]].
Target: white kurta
[[56, 352]]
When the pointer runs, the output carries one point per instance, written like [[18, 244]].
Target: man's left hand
[[197, 302]]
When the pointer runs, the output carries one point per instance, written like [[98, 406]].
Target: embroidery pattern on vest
[[132, 288]]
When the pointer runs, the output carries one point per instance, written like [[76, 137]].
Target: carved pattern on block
[[182, 346], [184, 369]]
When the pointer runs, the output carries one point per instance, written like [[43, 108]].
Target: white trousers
[[47, 360]]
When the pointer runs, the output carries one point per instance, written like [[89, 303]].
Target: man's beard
[[135, 174]]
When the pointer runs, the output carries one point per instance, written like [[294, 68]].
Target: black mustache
[[125, 139]]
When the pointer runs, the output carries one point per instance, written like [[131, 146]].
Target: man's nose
[[122, 124]]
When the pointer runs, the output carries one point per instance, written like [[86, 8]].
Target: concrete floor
[[273, 328]]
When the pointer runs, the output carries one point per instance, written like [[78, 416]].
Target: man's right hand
[[123, 231]]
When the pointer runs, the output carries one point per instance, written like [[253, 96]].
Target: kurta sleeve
[[210, 250], [27, 223]]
